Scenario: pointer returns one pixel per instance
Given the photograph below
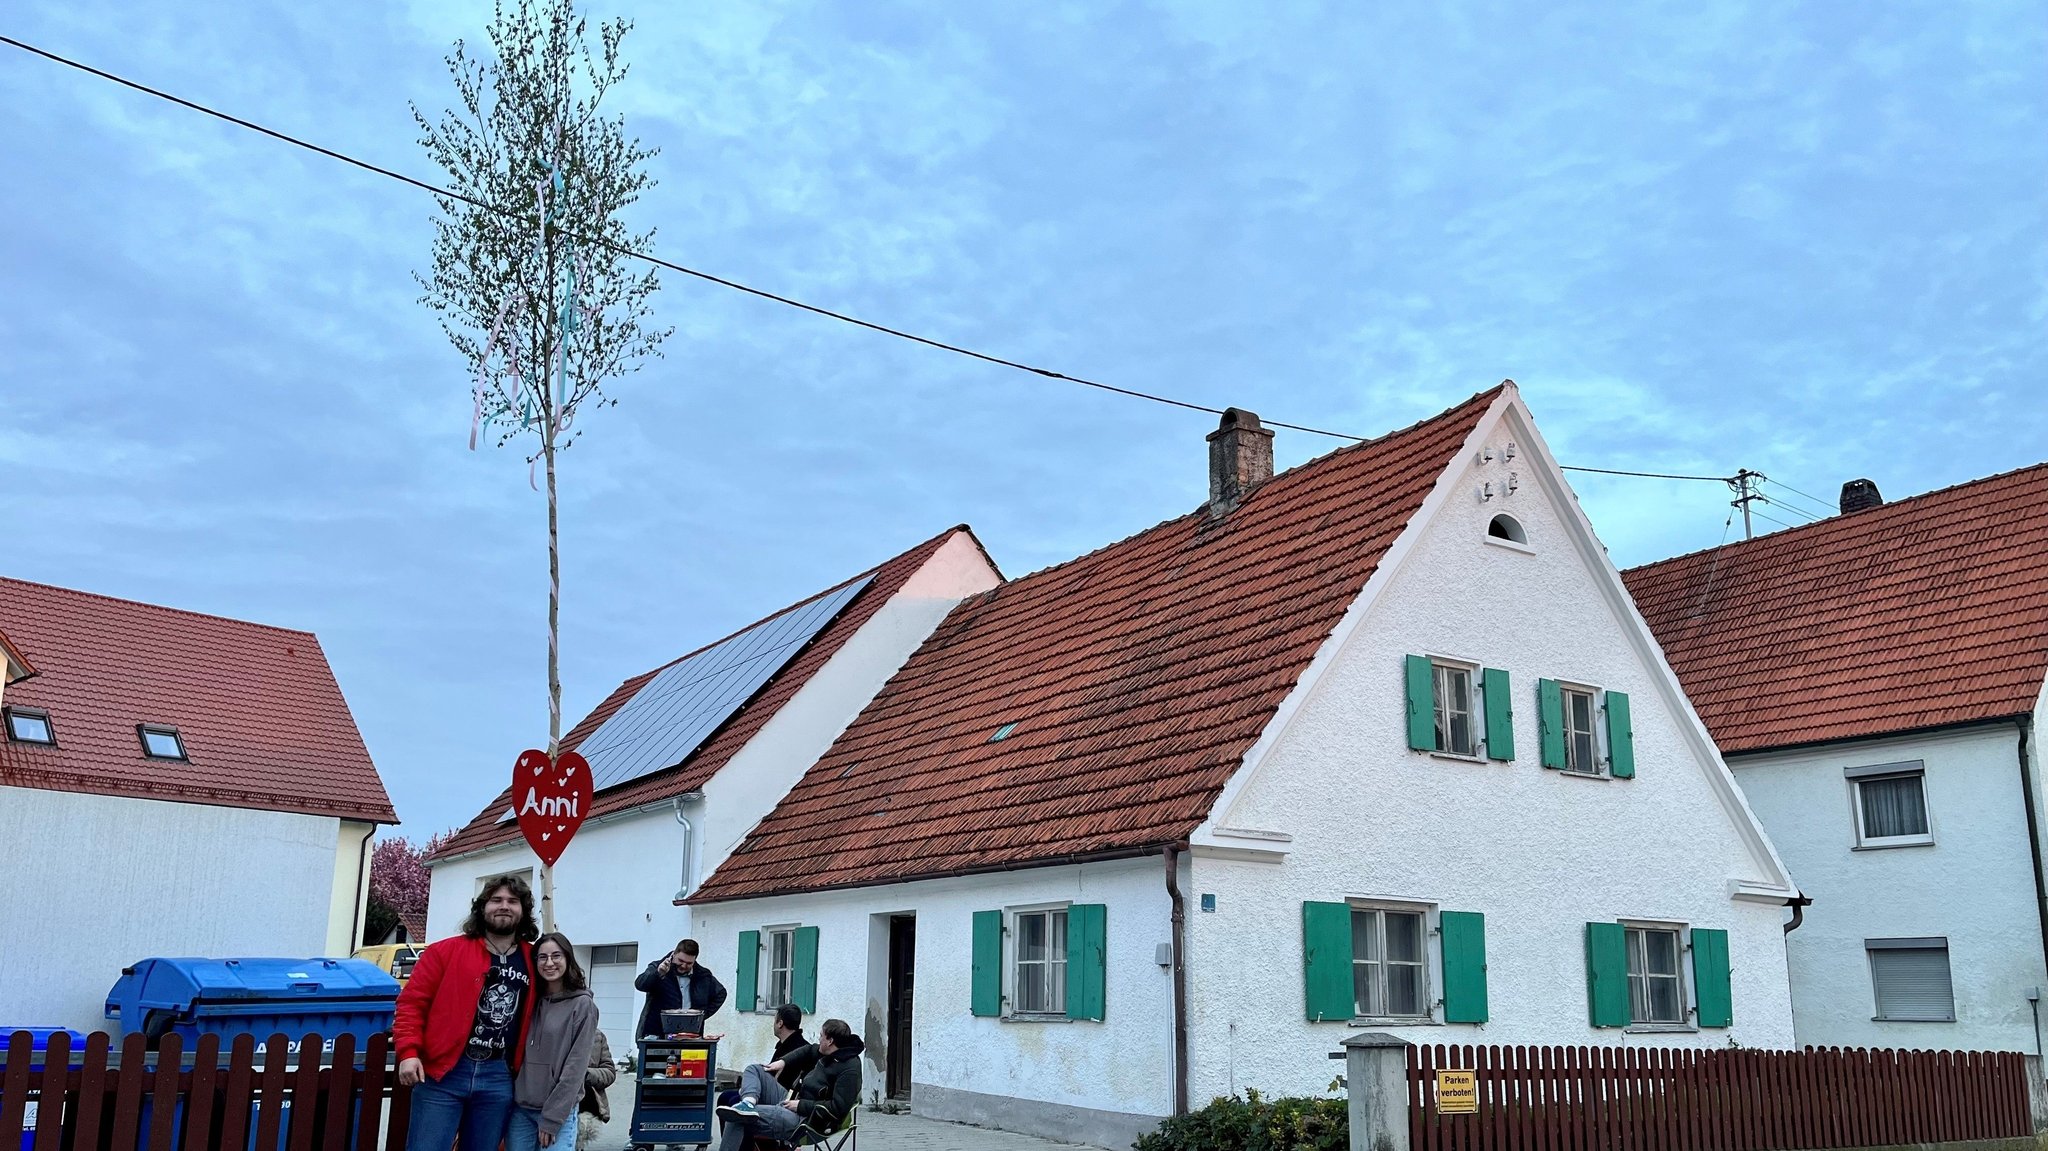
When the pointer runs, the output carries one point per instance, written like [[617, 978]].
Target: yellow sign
[[1457, 1093]]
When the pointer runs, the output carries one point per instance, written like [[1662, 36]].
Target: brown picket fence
[[295, 1097], [1690, 1099]]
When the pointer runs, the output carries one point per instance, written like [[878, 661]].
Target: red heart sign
[[551, 797]]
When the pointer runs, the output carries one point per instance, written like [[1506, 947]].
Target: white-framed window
[[1457, 713], [29, 725], [1038, 979], [1909, 979], [1656, 984], [1891, 804], [781, 966], [1390, 962], [620, 954], [1581, 729]]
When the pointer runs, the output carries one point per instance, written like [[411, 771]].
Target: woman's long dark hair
[[573, 978], [526, 932]]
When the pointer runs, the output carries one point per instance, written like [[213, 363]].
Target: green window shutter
[[1621, 738], [746, 972], [1087, 965], [988, 963], [1550, 722], [1500, 714], [1710, 980], [803, 971], [1607, 974], [1326, 960], [1421, 707], [1464, 944]]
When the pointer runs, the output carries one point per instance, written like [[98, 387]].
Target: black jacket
[[830, 1088], [663, 995], [793, 1041]]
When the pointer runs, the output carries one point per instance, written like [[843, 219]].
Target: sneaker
[[744, 1109]]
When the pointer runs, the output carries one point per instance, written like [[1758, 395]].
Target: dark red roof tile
[[1921, 613], [487, 831], [263, 722], [1138, 677]]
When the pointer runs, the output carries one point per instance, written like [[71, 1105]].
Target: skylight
[[29, 725], [161, 742], [1002, 733]]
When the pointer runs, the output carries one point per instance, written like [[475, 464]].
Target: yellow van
[[394, 959]]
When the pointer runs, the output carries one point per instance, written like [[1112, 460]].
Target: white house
[[170, 784], [688, 757], [1377, 742], [1876, 681]]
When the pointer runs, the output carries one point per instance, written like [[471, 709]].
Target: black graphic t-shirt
[[506, 986]]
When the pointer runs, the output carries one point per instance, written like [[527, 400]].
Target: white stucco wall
[[619, 879], [350, 892], [1973, 885], [1538, 852], [1101, 1071], [97, 882]]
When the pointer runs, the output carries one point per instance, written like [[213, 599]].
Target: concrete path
[[879, 1131]]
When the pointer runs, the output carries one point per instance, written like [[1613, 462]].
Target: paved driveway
[[879, 1131]]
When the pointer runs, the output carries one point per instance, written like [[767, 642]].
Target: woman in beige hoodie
[[550, 1081]]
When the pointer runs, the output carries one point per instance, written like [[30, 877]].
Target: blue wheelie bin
[[38, 1044], [259, 997]]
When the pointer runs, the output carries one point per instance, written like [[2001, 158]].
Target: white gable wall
[[1973, 886], [1539, 853], [96, 882], [619, 879], [1097, 1082]]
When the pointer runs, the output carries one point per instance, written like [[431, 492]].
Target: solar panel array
[[676, 711]]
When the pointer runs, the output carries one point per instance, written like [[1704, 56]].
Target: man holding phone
[[675, 982]]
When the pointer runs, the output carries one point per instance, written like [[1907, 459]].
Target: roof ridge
[[160, 607], [1863, 516], [1311, 462]]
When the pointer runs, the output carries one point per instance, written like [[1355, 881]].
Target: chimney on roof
[[1860, 494], [1240, 458]]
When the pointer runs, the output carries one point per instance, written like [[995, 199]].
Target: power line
[[1647, 475], [1792, 508], [1775, 520], [672, 266], [1827, 509]]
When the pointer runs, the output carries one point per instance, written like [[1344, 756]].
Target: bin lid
[[176, 983], [40, 1037]]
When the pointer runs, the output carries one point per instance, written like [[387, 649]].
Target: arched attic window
[[1507, 527]]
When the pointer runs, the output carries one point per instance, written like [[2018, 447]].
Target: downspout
[[2026, 726], [1798, 903], [355, 922], [1180, 980], [689, 846]]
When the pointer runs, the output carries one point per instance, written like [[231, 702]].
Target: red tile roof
[[263, 722], [17, 665], [1137, 676], [1921, 613], [486, 831]]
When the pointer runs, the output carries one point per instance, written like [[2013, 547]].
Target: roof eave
[[1137, 851]]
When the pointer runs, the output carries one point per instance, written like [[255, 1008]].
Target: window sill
[[1035, 1018], [1897, 1019], [1458, 757], [1511, 545], [1889, 844], [1394, 1021], [1660, 1029], [1570, 774]]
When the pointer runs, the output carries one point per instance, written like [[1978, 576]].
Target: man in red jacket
[[461, 1022]]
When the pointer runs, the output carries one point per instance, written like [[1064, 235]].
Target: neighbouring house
[[688, 757], [1379, 742], [1876, 680], [170, 784]]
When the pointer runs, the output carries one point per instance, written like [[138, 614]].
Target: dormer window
[[160, 741], [29, 725]]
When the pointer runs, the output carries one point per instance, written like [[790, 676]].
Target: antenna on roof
[[1744, 485]]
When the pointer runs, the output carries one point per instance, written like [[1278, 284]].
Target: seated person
[[789, 1036], [827, 1093]]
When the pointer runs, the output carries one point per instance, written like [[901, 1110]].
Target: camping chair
[[840, 1138]]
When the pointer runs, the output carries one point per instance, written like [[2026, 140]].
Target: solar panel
[[673, 713]]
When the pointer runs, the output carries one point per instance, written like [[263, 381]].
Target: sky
[[1809, 240]]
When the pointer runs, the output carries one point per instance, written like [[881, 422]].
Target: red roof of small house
[[487, 830], [16, 665], [1096, 709], [1922, 613], [263, 723]]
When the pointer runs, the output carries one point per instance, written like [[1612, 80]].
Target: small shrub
[[1252, 1123]]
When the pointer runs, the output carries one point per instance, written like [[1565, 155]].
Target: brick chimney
[[1240, 458], [1860, 494]]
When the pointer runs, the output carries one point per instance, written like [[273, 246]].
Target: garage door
[[612, 968]]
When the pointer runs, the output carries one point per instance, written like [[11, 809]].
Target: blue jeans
[[524, 1134], [473, 1100]]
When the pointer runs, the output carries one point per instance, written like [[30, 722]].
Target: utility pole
[[1744, 486]]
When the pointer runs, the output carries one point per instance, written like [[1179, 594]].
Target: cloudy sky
[[1810, 240]]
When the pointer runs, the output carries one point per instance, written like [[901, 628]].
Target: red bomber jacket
[[438, 1006]]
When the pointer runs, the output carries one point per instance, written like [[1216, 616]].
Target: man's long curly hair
[[526, 932]]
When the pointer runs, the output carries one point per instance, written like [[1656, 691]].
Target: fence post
[[1376, 1077], [2037, 1093]]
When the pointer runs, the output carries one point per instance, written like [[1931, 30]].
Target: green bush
[[1251, 1123]]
